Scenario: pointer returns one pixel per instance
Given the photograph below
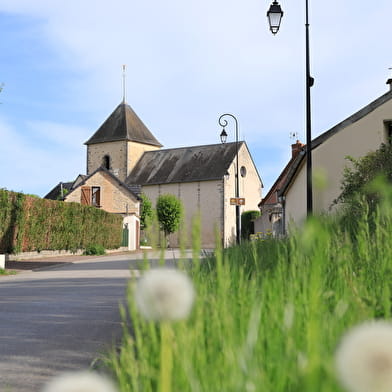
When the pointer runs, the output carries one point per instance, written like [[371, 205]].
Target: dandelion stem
[[166, 357]]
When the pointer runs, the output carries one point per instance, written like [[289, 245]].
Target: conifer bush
[[32, 224]]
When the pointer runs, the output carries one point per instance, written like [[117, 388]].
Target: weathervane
[[294, 135], [123, 77]]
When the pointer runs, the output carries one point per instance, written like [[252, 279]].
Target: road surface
[[60, 319]]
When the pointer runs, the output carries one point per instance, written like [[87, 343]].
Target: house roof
[[331, 132], [81, 180], [186, 164], [123, 124], [55, 193], [270, 198], [110, 174]]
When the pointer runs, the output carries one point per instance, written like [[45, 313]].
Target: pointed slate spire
[[123, 124]]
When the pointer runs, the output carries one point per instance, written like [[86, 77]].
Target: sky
[[187, 62]]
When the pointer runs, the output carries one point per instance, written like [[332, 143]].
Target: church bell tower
[[119, 143]]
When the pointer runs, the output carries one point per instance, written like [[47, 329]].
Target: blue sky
[[188, 62]]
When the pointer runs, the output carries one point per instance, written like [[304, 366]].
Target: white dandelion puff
[[80, 382], [288, 316], [164, 294], [364, 358], [341, 308]]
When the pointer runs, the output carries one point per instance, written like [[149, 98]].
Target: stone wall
[[113, 197], [117, 151], [123, 156]]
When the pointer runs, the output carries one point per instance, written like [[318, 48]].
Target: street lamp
[[274, 15], [223, 136]]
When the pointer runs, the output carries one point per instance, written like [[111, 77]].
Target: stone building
[[124, 159], [203, 178]]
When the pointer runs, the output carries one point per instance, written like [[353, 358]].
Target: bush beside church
[[30, 223]]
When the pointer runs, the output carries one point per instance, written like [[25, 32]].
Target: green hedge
[[247, 225], [32, 224]]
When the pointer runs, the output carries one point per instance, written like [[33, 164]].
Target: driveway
[[60, 319]]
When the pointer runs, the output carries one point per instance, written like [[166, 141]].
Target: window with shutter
[[96, 196]]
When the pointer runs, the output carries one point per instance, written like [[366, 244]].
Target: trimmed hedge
[[33, 224]]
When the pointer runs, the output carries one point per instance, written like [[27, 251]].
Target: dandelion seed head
[[341, 308], [80, 382], [364, 358], [164, 294], [288, 316]]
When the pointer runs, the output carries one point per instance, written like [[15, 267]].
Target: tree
[[146, 212], [358, 178], [169, 213], [247, 223]]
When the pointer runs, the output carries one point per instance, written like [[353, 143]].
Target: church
[[124, 159]]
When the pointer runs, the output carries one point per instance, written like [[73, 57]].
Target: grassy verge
[[4, 272], [268, 315]]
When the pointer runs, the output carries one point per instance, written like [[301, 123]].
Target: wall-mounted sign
[[237, 201]]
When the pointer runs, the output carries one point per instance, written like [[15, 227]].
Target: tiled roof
[[186, 164], [123, 124], [55, 193], [331, 132]]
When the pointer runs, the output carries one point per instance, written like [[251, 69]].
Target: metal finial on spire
[[123, 76]]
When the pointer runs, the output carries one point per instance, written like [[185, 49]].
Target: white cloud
[[189, 62]]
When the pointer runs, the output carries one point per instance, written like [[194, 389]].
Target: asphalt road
[[60, 319]]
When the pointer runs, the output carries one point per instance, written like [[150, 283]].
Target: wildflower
[[164, 294], [364, 358], [288, 316], [302, 361], [80, 382], [341, 308]]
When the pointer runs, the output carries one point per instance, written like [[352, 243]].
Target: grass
[[269, 314], [5, 272]]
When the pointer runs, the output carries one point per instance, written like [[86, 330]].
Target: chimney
[[296, 149], [389, 81]]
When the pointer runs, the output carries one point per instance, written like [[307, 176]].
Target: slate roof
[[56, 191], [331, 132], [123, 124], [186, 164]]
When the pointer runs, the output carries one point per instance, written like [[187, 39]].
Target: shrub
[[146, 212], [169, 212], [358, 177], [247, 226], [34, 224], [94, 250]]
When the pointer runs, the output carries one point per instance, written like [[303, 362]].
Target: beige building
[[203, 178], [102, 189], [356, 136], [271, 219], [124, 159]]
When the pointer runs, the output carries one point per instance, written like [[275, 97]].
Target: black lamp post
[[223, 123], [274, 15]]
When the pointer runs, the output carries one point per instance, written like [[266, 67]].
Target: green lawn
[[268, 315]]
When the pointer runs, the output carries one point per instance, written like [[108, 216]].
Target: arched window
[[106, 162]]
